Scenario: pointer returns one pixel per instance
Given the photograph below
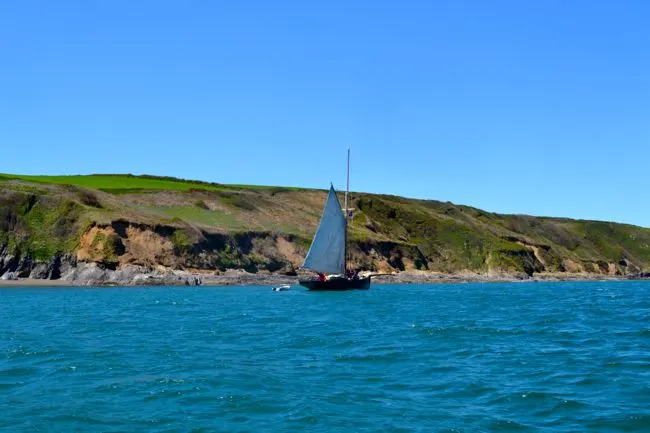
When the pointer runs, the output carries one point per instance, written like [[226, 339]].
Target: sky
[[531, 107]]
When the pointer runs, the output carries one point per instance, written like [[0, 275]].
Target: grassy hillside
[[146, 220], [127, 182]]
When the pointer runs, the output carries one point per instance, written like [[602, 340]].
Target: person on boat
[[352, 275], [321, 276]]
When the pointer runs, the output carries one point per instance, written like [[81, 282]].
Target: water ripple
[[414, 358]]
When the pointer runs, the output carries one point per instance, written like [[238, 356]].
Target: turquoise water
[[411, 358]]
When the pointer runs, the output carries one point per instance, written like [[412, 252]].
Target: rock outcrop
[[211, 232]]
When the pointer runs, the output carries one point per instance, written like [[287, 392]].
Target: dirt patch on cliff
[[572, 266], [409, 265], [611, 268], [101, 245], [139, 246], [145, 247], [289, 251], [535, 249]]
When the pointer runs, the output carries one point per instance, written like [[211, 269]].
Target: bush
[[89, 199]]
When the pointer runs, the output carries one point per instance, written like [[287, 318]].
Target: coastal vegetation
[[114, 220]]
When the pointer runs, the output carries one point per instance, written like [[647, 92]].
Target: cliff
[[126, 229]]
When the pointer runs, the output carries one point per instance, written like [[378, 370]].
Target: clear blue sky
[[537, 107]]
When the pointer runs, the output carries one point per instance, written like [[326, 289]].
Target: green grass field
[[204, 217], [117, 183]]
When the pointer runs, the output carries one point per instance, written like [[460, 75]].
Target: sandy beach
[[31, 282]]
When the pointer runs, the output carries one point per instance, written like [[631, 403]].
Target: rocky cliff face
[[18, 265], [80, 235], [130, 253], [124, 253]]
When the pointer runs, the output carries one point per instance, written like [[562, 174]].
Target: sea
[[512, 357]]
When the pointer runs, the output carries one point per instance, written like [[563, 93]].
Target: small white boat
[[282, 288]]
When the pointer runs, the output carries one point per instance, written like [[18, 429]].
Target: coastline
[[239, 277], [113, 237]]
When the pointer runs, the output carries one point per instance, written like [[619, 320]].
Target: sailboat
[[328, 252]]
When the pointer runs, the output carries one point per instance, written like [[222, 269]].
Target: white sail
[[327, 251]]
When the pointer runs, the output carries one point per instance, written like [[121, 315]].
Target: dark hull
[[337, 284]]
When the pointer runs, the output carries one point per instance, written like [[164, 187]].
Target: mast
[[347, 190]]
